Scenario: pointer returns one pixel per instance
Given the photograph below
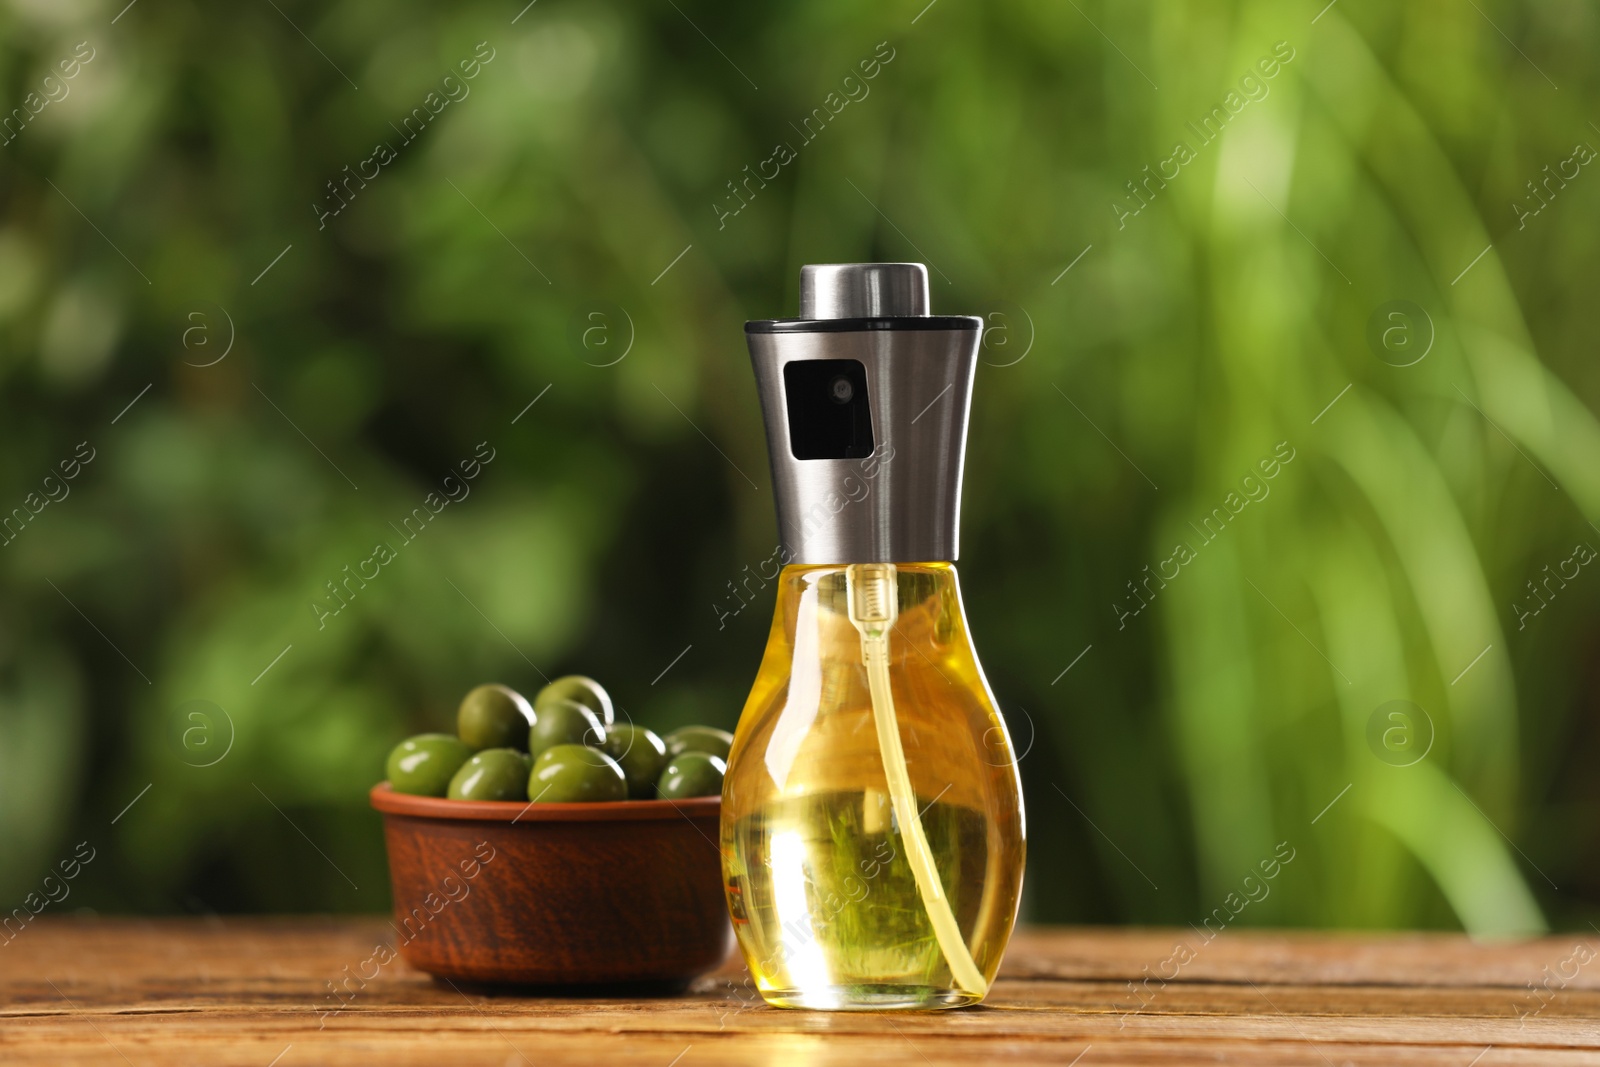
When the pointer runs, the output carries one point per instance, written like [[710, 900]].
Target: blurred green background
[[157, 626]]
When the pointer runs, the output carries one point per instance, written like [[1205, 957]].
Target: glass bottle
[[872, 822]]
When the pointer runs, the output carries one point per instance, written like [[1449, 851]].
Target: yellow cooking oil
[[831, 904]]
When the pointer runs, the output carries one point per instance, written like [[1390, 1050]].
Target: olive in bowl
[[564, 722], [424, 764], [494, 716], [575, 774], [706, 739], [493, 774], [641, 755], [693, 774], [579, 689]]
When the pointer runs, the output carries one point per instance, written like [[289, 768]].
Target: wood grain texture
[[261, 992]]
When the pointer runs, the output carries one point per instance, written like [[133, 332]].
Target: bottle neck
[[866, 433]]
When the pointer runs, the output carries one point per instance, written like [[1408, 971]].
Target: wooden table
[[254, 993]]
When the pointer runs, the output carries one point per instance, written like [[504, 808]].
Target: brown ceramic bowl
[[627, 893]]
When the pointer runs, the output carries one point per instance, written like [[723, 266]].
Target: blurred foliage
[[142, 211]]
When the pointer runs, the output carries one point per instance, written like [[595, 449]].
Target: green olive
[[569, 774], [424, 764], [493, 774], [693, 774], [563, 722], [640, 754], [494, 716], [706, 739], [586, 691]]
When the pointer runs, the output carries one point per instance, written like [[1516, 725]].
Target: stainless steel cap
[[863, 290], [865, 399]]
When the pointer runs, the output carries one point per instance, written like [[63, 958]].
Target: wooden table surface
[[255, 993]]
